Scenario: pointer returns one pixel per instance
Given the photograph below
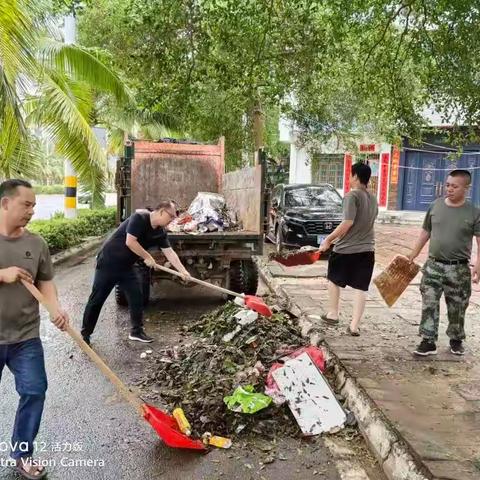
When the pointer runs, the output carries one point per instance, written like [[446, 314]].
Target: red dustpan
[[167, 429], [306, 257], [163, 424], [257, 305]]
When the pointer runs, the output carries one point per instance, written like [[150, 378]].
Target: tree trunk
[[258, 130]]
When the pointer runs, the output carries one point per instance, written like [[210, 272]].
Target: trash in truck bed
[[207, 213]]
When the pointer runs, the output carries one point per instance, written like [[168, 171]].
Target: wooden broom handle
[[118, 384], [200, 282]]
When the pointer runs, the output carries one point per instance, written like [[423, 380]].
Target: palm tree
[[47, 84], [132, 122], [15, 59]]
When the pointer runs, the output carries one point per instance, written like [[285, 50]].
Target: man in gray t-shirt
[[352, 260], [24, 256], [450, 224], [361, 208]]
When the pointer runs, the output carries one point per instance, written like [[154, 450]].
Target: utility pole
[[70, 175]]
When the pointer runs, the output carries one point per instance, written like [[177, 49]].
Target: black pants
[[103, 283], [352, 269]]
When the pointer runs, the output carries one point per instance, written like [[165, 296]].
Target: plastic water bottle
[[216, 441], [182, 422]]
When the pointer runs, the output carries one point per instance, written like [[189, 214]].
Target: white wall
[[285, 130], [300, 169]]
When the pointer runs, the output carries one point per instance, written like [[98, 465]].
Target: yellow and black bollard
[[70, 193]]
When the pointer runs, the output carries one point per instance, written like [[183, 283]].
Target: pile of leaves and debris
[[199, 374]]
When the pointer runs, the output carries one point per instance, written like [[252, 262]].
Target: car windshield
[[312, 197]]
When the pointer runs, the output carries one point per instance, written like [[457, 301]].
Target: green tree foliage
[[336, 67], [207, 64]]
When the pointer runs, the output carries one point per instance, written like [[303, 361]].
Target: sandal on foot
[[353, 333], [35, 473], [331, 321]]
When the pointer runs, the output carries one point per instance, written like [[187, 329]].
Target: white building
[[331, 162]]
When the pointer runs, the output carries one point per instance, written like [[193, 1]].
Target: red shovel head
[[258, 305], [168, 430], [306, 257]]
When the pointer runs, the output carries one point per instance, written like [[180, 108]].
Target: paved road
[[47, 205], [84, 412]]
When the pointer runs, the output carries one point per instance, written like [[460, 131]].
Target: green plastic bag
[[245, 400]]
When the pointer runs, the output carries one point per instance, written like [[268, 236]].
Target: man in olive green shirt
[[24, 256], [450, 225]]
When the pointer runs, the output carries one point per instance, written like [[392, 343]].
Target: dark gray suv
[[303, 214]]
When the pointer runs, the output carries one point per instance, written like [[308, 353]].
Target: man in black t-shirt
[[115, 262]]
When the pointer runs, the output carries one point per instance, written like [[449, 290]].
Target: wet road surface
[[89, 432]]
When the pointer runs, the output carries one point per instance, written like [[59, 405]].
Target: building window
[[327, 168]]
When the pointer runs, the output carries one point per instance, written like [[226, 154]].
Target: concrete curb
[[82, 249], [399, 461], [397, 218]]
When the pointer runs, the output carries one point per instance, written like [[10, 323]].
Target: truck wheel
[[144, 275], [251, 276], [145, 278], [120, 297], [243, 277]]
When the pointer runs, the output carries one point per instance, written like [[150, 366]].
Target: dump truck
[[150, 172]]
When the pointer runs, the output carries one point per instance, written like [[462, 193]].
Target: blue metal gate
[[425, 173]]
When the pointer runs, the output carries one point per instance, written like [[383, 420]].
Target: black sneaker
[[86, 340], [426, 347], [456, 347], [140, 337]]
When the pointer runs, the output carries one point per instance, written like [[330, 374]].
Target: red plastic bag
[[185, 218], [315, 353], [271, 387]]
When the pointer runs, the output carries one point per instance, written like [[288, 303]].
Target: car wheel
[[279, 240]]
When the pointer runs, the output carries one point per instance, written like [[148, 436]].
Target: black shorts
[[352, 269]]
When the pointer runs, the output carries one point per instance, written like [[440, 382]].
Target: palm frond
[[20, 155], [71, 147], [16, 63], [116, 137], [82, 64], [60, 108], [16, 39]]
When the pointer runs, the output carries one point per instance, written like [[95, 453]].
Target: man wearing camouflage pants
[[450, 225]]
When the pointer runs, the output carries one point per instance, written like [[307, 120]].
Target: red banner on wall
[[395, 165], [367, 147], [346, 172], [385, 160]]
